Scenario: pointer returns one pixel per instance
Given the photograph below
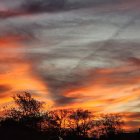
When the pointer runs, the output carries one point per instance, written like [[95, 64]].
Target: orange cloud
[[16, 72], [110, 90]]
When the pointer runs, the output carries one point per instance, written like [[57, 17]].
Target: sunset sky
[[85, 53]]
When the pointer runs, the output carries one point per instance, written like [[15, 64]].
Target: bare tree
[[110, 124], [81, 122], [61, 117], [27, 104], [27, 111]]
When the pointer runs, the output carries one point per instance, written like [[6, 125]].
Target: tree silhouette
[[110, 124], [27, 117], [61, 118], [28, 105], [27, 110], [81, 121]]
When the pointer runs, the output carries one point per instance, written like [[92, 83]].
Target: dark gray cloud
[[34, 6], [59, 5], [4, 88], [134, 61], [41, 5], [62, 100], [133, 119], [58, 83]]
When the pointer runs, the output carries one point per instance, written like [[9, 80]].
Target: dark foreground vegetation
[[28, 121]]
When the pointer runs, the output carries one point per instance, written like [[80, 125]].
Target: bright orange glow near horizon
[[18, 76]]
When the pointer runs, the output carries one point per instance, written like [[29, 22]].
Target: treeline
[[28, 120]]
